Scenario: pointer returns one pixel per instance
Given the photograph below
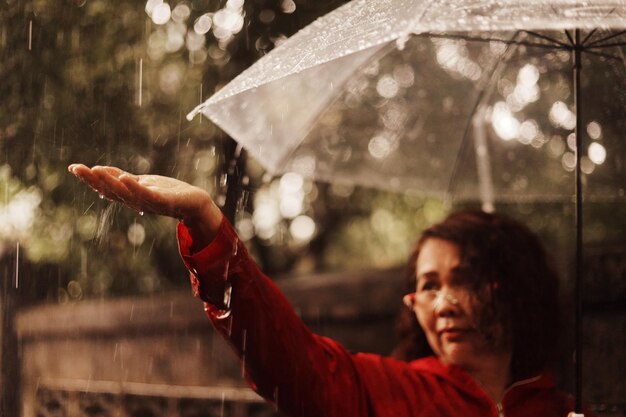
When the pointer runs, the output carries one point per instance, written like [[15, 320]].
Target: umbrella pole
[[579, 226]]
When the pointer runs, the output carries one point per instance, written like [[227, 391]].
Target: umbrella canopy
[[456, 99]]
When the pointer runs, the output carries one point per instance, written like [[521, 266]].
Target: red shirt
[[307, 375]]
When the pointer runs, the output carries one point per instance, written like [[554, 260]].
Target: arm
[[306, 375]]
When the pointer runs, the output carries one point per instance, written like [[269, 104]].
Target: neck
[[494, 375]]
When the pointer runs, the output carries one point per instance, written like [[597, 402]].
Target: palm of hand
[[145, 193]]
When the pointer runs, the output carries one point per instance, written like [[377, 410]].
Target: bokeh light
[[302, 228], [597, 153], [161, 14], [505, 125]]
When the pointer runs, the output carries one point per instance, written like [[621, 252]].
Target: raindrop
[[141, 213], [17, 265], [225, 275], [230, 326], [101, 196], [140, 83], [30, 35], [276, 398]]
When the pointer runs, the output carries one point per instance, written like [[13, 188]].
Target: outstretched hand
[[156, 194]]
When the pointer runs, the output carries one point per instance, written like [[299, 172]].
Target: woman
[[483, 295]]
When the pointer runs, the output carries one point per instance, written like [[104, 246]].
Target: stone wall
[[159, 356]]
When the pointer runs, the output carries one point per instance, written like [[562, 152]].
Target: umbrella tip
[[194, 112]]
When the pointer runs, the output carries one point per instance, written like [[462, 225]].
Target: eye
[[427, 286], [463, 279]]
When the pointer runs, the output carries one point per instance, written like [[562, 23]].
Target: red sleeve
[[304, 374]]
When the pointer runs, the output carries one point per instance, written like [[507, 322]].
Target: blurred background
[[97, 315]]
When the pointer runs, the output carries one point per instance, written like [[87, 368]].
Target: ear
[[409, 300]]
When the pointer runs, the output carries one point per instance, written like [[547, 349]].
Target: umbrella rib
[[589, 35], [597, 41], [507, 42], [481, 95], [604, 55], [569, 36], [606, 45], [547, 38]]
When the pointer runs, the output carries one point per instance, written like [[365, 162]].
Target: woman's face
[[447, 307]]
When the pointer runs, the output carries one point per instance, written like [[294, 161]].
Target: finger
[[108, 170], [112, 186], [72, 167], [86, 175], [79, 170]]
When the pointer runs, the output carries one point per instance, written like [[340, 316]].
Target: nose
[[446, 304]]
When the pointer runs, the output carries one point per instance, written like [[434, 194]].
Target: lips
[[453, 330], [454, 333]]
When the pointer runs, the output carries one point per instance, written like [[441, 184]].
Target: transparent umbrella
[[492, 100]]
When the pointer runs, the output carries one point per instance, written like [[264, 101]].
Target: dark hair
[[504, 254]]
